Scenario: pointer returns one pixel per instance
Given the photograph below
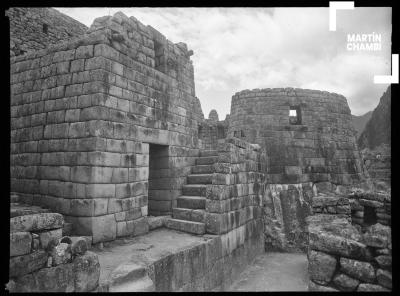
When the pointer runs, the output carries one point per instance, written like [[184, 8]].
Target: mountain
[[378, 128], [359, 122]]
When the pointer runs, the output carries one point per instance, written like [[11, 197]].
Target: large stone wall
[[36, 28], [320, 147], [84, 115]]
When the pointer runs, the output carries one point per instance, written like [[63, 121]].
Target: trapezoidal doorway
[[160, 201]]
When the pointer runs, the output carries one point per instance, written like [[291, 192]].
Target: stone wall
[[36, 28], [342, 258], [84, 114], [370, 207], [316, 146], [41, 260], [211, 130], [212, 265], [309, 139], [238, 183]]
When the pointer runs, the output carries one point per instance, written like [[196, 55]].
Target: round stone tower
[[308, 134]]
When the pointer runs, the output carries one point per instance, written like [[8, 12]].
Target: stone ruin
[[108, 136]]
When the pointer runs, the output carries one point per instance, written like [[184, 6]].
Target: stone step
[[144, 284], [206, 160], [186, 226], [199, 178], [208, 153], [189, 214], [191, 202], [194, 189], [203, 169], [126, 273]]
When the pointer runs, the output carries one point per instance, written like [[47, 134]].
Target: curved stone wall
[[319, 145]]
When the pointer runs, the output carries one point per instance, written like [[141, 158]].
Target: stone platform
[[168, 260]]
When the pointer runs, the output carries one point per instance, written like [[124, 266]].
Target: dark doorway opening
[[369, 216], [160, 202]]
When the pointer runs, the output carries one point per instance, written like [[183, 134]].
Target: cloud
[[245, 48]]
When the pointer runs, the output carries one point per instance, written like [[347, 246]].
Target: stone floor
[[274, 272]]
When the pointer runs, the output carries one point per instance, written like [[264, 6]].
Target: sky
[[247, 48]]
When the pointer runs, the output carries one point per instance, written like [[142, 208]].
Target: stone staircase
[[189, 215]]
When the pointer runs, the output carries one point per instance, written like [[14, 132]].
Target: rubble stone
[[345, 283], [363, 271], [86, 269], [321, 266]]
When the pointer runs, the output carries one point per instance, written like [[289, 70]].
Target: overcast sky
[[246, 48]]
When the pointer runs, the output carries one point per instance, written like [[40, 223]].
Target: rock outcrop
[[359, 122], [378, 129]]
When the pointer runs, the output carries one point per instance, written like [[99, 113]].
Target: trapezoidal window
[[295, 115]]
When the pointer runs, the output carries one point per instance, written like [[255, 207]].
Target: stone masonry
[[106, 130], [309, 139], [84, 115], [42, 259], [344, 253], [35, 28]]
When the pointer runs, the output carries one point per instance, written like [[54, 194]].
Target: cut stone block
[[24, 264], [20, 243], [36, 222], [186, 226], [194, 190], [203, 169], [188, 214], [191, 202], [206, 160], [200, 179]]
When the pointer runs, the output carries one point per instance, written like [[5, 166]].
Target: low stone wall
[[41, 260], [341, 258], [212, 265], [370, 207], [328, 204]]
